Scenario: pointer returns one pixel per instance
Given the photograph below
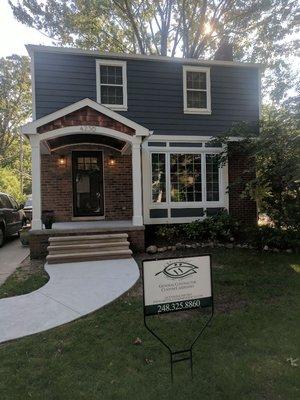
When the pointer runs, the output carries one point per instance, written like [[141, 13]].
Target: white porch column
[[36, 222], [137, 217]]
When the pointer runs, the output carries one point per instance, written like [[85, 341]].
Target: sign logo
[[178, 269]]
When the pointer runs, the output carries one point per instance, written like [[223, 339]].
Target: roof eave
[[31, 48]]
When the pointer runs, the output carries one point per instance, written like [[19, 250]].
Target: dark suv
[[12, 217]]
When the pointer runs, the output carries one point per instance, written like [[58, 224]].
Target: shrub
[[276, 175], [220, 227], [169, 232], [224, 228], [282, 239]]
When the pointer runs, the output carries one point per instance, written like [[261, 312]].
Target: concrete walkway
[[74, 290], [11, 254]]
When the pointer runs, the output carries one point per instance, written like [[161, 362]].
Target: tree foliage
[[17, 159], [15, 100], [276, 150], [15, 109], [10, 184], [261, 31]]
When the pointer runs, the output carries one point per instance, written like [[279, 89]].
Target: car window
[[28, 203], [6, 202], [1, 202], [14, 203]]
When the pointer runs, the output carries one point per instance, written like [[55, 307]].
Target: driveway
[[11, 254], [74, 290]]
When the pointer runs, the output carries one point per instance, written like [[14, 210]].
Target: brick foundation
[[38, 240], [56, 183], [240, 172]]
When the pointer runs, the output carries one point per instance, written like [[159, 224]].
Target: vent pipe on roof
[[224, 52]]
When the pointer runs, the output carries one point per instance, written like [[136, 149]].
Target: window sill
[[193, 111], [191, 204], [114, 108]]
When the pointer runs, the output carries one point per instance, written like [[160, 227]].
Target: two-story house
[[123, 141]]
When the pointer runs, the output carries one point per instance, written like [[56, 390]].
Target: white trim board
[[77, 130], [85, 144], [31, 48], [31, 127], [187, 138], [32, 76]]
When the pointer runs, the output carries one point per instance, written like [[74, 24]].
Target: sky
[[14, 35]]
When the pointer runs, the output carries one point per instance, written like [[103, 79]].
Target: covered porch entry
[[86, 170], [86, 165]]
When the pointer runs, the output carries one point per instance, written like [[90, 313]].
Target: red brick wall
[[56, 184], [240, 171]]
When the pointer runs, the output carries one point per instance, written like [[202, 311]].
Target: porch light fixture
[[62, 161], [111, 161]]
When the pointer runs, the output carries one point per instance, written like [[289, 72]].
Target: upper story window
[[196, 90], [112, 84]]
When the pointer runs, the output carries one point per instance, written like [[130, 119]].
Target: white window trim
[[113, 63], [186, 204], [168, 205], [207, 110]]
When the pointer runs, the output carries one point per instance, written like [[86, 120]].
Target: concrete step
[[87, 247], [93, 256], [107, 238]]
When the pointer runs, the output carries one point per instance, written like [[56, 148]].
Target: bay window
[[158, 178], [185, 178], [212, 178]]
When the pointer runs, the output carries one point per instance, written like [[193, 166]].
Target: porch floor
[[38, 238], [83, 225]]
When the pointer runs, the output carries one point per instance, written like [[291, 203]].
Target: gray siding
[[155, 94]]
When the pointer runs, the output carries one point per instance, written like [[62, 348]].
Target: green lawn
[[248, 352], [29, 276]]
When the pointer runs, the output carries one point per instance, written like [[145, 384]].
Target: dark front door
[[88, 183]]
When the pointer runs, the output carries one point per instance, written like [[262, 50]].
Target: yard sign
[[174, 285]]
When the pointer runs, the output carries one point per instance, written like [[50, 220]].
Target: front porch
[[86, 165], [39, 239], [105, 226], [86, 170]]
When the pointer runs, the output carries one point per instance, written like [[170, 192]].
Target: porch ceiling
[[70, 140]]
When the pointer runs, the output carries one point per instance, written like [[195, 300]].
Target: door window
[[88, 184]]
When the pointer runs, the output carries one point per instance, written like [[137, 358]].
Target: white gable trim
[[79, 130], [31, 127]]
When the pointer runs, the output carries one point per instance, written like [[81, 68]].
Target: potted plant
[[48, 218], [24, 234]]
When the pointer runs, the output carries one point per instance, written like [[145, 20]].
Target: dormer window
[[112, 84], [196, 90]]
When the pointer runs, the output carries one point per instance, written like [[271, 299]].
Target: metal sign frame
[[187, 353]]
